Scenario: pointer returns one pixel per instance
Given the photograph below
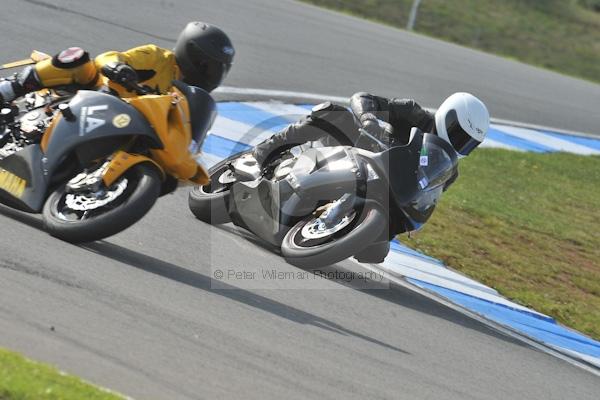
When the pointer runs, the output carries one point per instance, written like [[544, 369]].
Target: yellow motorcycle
[[94, 164]]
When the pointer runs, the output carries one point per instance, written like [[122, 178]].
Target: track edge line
[[557, 352]]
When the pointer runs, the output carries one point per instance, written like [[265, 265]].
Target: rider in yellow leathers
[[202, 57]]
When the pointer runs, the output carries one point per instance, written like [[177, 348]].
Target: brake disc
[[318, 229], [94, 200]]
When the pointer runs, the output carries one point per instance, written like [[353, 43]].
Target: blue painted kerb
[[545, 330]]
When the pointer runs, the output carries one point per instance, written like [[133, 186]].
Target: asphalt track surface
[[136, 313]]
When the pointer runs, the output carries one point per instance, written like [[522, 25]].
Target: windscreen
[[437, 164]]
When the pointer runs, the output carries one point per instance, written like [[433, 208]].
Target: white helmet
[[463, 121]]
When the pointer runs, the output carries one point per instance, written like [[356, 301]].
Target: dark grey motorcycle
[[322, 205]]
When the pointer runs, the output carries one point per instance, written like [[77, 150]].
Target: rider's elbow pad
[[71, 66]]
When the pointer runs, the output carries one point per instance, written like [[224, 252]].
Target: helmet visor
[[208, 72], [460, 139]]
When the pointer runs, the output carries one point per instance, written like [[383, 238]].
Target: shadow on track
[[203, 282], [396, 294], [404, 297], [32, 220], [391, 292]]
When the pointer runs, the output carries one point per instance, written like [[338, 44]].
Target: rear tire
[[137, 201], [335, 249]]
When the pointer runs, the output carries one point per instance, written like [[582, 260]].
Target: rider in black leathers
[[462, 120], [331, 120]]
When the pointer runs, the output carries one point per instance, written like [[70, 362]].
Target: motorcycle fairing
[[398, 166], [441, 164], [178, 119], [325, 173], [270, 209], [25, 166], [97, 118], [256, 206], [100, 124], [414, 175]]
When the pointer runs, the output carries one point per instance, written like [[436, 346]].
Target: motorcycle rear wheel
[[143, 185]]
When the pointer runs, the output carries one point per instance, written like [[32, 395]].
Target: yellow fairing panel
[[169, 116]]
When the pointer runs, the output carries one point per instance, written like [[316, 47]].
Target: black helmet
[[204, 54]]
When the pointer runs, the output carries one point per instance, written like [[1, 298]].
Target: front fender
[[121, 162]]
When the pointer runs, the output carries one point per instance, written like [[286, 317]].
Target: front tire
[[208, 206], [143, 189], [301, 252], [209, 202]]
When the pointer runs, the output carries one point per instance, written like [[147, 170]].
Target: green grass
[[561, 35], [528, 225], [22, 379]]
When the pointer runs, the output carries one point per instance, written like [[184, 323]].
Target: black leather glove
[[373, 128], [120, 73], [372, 125]]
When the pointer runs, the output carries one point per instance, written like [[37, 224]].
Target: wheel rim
[[74, 207], [316, 232]]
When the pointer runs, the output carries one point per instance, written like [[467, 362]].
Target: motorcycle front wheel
[[208, 203], [308, 245], [84, 217]]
